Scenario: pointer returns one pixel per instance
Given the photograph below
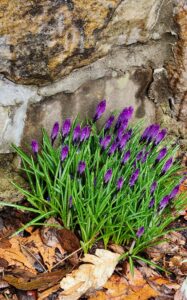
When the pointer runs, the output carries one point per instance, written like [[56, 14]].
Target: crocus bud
[[153, 187], [105, 142], [113, 148], [34, 145], [109, 123], [134, 177], [123, 141], [175, 191], [139, 155], [66, 127], [126, 114], [153, 131], [85, 133], [144, 158], [81, 167], [140, 232], [54, 132], [107, 175], [160, 136], [126, 157], [76, 133], [64, 153], [99, 110], [164, 202], [167, 166], [120, 183], [145, 134], [151, 203], [162, 153]]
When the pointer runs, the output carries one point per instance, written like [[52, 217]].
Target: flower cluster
[[115, 183]]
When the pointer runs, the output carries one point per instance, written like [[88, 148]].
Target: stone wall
[[58, 58]]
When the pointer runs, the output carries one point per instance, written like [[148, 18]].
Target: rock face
[[60, 57]]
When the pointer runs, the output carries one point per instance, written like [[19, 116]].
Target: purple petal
[[109, 123], [123, 141], [134, 177], [54, 132], [120, 183], [164, 202], [66, 126], [140, 232], [108, 175], [85, 133], [64, 153], [76, 133], [113, 148], [174, 192], [153, 187], [151, 203], [126, 157], [99, 110], [126, 114], [139, 155], [160, 136], [167, 165], [81, 167], [162, 153], [35, 147], [144, 158], [105, 142]]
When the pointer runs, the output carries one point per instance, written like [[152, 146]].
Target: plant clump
[[115, 184]]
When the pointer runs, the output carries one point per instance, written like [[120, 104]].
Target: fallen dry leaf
[[48, 292], [40, 282], [91, 275], [118, 288], [30, 252]]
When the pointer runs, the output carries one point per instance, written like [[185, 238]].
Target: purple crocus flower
[[167, 166], [123, 141], [107, 175], [66, 126], [34, 145], [134, 177], [164, 202], [81, 167], [140, 232], [99, 110], [153, 187], [144, 158], [54, 132], [109, 123], [126, 157], [139, 155], [145, 134], [120, 183], [160, 136], [85, 133], [153, 131], [76, 133], [162, 153], [113, 148], [126, 114], [70, 202], [64, 153], [105, 142], [151, 203], [174, 192]]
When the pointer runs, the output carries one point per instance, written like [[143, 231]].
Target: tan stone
[[45, 40]]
